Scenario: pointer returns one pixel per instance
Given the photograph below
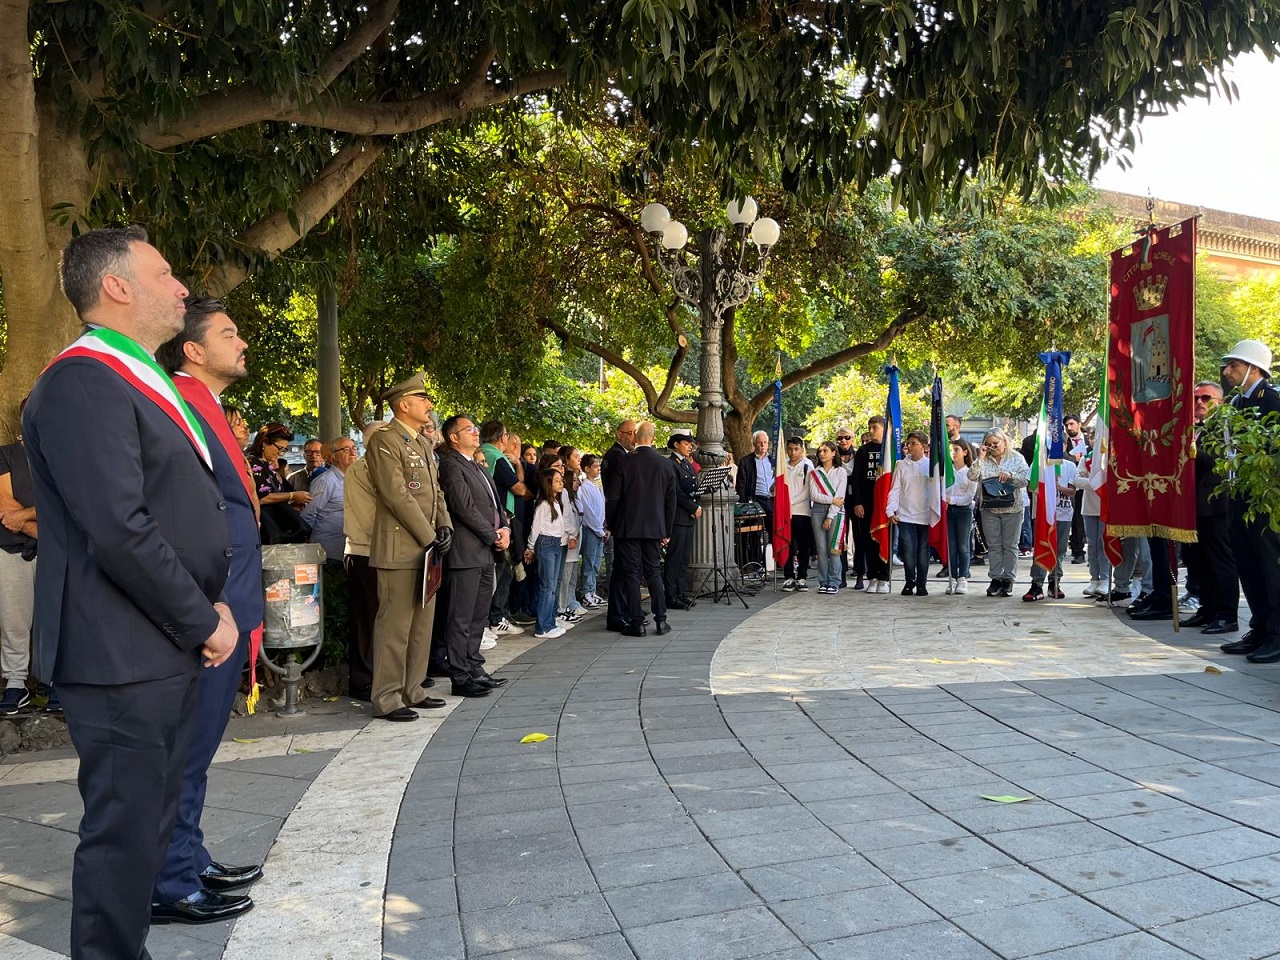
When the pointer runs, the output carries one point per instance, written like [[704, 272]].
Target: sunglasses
[[844, 438], [1204, 397]]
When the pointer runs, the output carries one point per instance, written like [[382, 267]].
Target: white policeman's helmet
[[1253, 352]]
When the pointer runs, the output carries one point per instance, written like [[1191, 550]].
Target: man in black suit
[[204, 359], [641, 510], [688, 509], [134, 554], [1247, 369], [610, 474], [1210, 561], [479, 528], [755, 483]]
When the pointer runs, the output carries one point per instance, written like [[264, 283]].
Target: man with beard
[[204, 359]]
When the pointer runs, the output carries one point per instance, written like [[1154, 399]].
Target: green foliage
[[1219, 319], [1257, 304], [1246, 448], [851, 398]]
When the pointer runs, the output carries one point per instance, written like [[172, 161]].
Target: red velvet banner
[[1152, 371]]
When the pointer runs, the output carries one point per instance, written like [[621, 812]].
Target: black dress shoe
[[470, 689], [429, 703], [1197, 619], [492, 680], [398, 715], [218, 877], [677, 605], [634, 630], [203, 906], [1221, 626], [1246, 644], [661, 627], [1269, 652], [1151, 612]]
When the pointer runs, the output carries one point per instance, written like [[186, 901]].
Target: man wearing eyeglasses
[[324, 512], [1247, 370]]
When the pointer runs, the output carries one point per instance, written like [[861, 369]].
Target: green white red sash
[[835, 537], [140, 370]]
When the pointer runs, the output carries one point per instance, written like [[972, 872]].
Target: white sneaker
[[506, 628], [1188, 605], [1095, 588], [884, 587], [788, 585], [962, 585], [951, 585], [872, 586], [488, 639], [550, 634], [569, 616]]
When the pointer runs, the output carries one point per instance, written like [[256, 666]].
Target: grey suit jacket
[[467, 491]]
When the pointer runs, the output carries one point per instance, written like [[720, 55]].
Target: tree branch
[[354, 46], [227, 110], [904, 319], [276, 233], [655, 402]]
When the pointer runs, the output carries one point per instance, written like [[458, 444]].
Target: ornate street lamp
[[719, 279]]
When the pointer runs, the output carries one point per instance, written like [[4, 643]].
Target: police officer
[[409, 516], [688, 509], [1247, 369]]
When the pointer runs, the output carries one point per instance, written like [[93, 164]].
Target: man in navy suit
[[204, 359], [134, 554], [641, 509]]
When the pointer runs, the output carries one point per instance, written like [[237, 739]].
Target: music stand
[[714, 482]]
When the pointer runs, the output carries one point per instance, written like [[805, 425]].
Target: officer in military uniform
[[688, 509], [409, 516], [1246, 369]]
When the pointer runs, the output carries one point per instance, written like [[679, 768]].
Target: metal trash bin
[[294, 612]]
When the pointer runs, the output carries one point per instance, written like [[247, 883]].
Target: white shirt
[[909, 495], [962, 492], [798, 486], [545, 526]]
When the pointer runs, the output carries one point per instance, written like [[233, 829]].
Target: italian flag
[[1100, 471], [942, 473], [881, 529], [781, 492], [1043, 489]]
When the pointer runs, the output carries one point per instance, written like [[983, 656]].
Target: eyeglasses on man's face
[[1205, 397]]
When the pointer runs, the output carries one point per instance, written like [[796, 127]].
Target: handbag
[[997, 493]]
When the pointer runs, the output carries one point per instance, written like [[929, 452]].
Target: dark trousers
[[216, 688], [801, 551], [1077, 540], [1163, 571], [132, 740], [618, 613], [501, 595], [866, 551], [1257, 552], [679, 550], [637, 559], [1213, 565], [469, 591], [362, 591]]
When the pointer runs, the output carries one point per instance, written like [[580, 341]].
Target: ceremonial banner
[[881, 529], [942, 473], [1151, 364], [1053, 362]]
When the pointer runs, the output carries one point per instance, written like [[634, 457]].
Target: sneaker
[[1118, 598], [1024, 553], [1094, 588], [897, 562], [14, 699], [506, 628], [1055, 591], [523, 619], [788, 585], [860, 585], [962, 585], [994, 589], [488, 639], [550, 634], [884, 587], [872, 586], [1034, 594], [1006, 588], [922, 591], [569, 616], [951, 585], [1189, 605], [52, 704], [802, 585], [909, 590], [941, 574]]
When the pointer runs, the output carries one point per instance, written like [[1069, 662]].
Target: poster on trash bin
[[304, 606]]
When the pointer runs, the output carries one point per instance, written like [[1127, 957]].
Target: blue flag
[[1055, 441]]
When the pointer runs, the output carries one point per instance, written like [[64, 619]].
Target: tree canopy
[[234, 129]]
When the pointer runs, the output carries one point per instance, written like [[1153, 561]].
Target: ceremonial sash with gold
[[140, 370]]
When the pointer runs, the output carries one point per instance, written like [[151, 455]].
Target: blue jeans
[[913, 546], [828, 563], [550, 557], [592, 553], [1097, 558], [959, 534]]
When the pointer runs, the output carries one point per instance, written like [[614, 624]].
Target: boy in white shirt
[[908, 509], [796, 570]]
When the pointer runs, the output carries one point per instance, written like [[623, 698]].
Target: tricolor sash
[[140, 370], [835, 537]]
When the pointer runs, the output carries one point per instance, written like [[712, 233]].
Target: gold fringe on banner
[[1175, 534]]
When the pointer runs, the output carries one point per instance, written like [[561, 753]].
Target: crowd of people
[[149, 499]]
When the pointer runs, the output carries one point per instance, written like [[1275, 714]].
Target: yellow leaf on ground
[[1006, 799], [245, 739], [534, 738]]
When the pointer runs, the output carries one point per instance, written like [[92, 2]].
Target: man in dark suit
[[755, 483], [204, 359], [479, 528], [688, 509], [641, 511], [1247, 369], [1210, 561], [134, 555], [610, 475]]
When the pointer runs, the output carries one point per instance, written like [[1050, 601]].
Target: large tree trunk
[[43, 164]]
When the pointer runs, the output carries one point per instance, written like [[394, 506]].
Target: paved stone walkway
[[825, 801]]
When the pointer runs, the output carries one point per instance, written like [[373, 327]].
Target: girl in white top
[[570, 609], [959, 497], [827, 485], [908, 509], [548, 537]]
